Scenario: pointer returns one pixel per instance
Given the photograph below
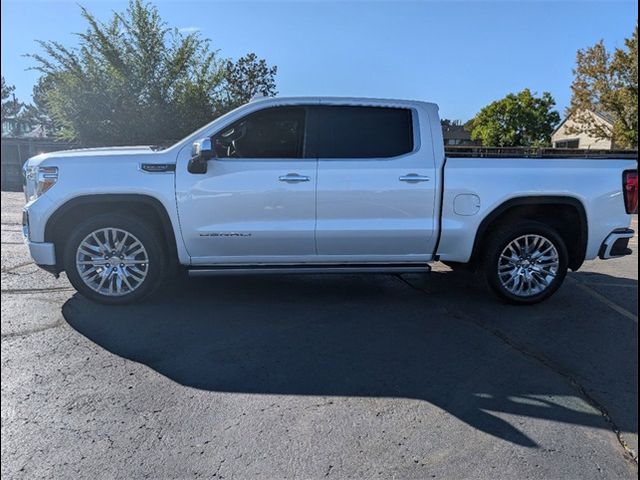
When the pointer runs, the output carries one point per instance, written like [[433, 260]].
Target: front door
[[256, 202]]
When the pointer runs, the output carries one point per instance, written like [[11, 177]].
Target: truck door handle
[[414, 178], [293, 177]]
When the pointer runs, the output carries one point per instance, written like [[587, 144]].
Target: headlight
[[38, 180]]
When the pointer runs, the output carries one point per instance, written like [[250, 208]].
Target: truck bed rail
[[536, 152]]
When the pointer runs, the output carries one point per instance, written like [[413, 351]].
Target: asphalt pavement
[[335, 376]]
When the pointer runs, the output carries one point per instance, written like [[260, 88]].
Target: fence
[[15, 151], [536, 152]]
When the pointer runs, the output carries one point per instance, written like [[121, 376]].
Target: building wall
[[585, 140]]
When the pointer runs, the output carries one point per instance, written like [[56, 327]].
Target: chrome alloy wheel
[[528, 265], [112, 262]]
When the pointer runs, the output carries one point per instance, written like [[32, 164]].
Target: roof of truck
[[343, 100]]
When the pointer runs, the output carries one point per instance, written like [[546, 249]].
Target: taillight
[[630, 190]]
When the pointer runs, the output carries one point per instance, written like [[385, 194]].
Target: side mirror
[[201, 151]]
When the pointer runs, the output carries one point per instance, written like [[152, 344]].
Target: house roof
[[38, 132], [606, 116], [457, 132]]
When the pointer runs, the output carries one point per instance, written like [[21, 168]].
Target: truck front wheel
[[525, 263], [114, 259]]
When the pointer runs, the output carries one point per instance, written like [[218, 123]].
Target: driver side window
[[269, 133]]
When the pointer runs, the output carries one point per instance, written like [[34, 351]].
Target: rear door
[[376, 184]]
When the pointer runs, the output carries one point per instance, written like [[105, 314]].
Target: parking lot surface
[[332, 376]]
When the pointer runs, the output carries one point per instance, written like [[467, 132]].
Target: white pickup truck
[[291, 185]]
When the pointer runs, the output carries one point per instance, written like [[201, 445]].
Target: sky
[[459, 54]]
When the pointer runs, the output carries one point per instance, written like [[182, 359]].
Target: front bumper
[[616, 244], [42, 253]]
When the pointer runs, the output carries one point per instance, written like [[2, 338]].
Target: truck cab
[[324, 181]]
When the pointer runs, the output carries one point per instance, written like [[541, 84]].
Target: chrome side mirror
[[201, 151]]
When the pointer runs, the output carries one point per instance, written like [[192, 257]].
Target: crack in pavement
[[16, 267], [26, 291], [629, 453], [31, 331]]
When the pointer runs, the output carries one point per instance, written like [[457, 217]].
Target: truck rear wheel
[[114, 259], [526, 263]]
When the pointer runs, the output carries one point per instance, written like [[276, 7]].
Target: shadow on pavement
[[622, 291], [344, 335]]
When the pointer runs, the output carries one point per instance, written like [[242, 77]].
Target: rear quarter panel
[[595, 183]]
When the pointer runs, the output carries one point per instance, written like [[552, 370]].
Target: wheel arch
[[555, 210], [79, 208]]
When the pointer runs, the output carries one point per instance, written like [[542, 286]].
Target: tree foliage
[[132, 80], [10, 106], [447, 122], [36, 113], [247, 77], [518, 120], [607, 83]]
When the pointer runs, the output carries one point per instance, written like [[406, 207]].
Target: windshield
[[194, 135]]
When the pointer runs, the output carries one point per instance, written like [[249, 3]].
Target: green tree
[[247, 77], [35, 113], [608, 83], [132, 80], [10, 106], [518, 120], [446, 122]]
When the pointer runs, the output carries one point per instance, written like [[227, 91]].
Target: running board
[[307, 269]]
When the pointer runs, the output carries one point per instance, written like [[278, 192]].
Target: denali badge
[[158, 167], [226, 234]]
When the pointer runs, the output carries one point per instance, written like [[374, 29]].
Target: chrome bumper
[[616, 244]]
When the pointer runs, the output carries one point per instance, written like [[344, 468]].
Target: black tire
[[497, 243], [147, 236]]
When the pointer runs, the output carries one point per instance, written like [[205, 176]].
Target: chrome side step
[[306, 269]]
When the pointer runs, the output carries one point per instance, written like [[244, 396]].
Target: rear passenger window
[[360, 132]]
